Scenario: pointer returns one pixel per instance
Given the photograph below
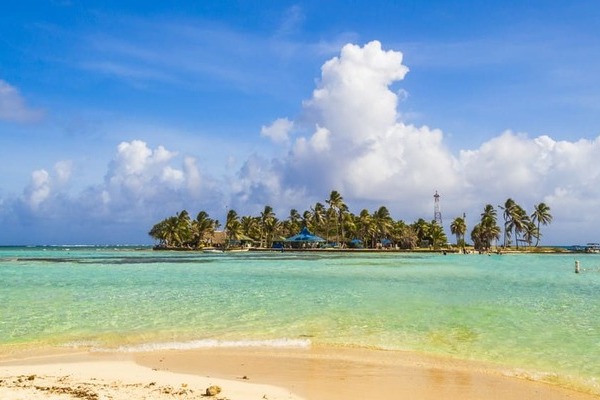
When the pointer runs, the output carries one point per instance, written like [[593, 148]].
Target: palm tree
[[202, 226], [266, 223], [383, 222], [174, 231], [346, 220], [487, 231], [541, 215], [438, 237], [489, 213], [364, 224], [422, 228], [336, 204], [233, 227], [483, 236], [330, 216], [294, 222], [318, 217], [530, 231], [517, 220], [180, 229], [406, 235], [477, 237], [272, 226], [172, 236], [307, 220], [159, 232], [508, 209], [458, 227], [491, 234], [250, 227], [348, 225]]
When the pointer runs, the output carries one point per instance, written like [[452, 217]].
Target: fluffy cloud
[[38, 190], [142, 183], [12, 105], [534, 167], [141, 186], [565, 175], [360, 146], [137, 172], [278, 131], [353, 97], [349, 137], [44, 185]]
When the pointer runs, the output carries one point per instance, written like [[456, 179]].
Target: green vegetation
[[517, 225], [333, 221], [181, 231]]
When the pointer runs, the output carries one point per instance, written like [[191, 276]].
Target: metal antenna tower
[[437, 214]]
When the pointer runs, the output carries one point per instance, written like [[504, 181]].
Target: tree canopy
[[333, 220]]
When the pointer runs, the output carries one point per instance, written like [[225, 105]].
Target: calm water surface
[[527, 311]]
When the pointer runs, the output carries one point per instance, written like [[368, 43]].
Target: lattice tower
[[437, 213]]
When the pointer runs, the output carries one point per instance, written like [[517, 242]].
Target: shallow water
[[529, 311]]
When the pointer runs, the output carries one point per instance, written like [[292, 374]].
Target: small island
[[336, 227]]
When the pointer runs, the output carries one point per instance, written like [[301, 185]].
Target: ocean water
[[529, 312]]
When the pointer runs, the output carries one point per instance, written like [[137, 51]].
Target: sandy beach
[[118, 377], [257, 373]]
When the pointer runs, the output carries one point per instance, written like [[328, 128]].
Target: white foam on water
[[212, 343]]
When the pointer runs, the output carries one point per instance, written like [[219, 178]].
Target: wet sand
[[261, 373], [361, 374]]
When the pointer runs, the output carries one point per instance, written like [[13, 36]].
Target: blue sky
[[114, 115]]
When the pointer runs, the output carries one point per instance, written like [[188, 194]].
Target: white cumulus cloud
[[38, 190], [278, 131], [138, 172], [142, 185], [44, 185], [362, 148], [359, 145], [144, 182]]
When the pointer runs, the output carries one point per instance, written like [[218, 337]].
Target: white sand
[[120, 380]]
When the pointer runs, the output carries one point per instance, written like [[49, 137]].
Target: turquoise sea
[[526, 312]]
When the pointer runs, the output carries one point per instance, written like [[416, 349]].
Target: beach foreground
[[117, 377], [260, 373]]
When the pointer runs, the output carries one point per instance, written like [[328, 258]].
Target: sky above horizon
[[117, 114]]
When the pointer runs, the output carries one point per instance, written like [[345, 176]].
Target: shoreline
[[247, 373], [471, 251]]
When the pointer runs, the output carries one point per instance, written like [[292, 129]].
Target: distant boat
[[592, 248], [240, 250], [212, 251], [588, 248], [217, 251]]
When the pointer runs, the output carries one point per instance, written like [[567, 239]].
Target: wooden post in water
[[576, 267]]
